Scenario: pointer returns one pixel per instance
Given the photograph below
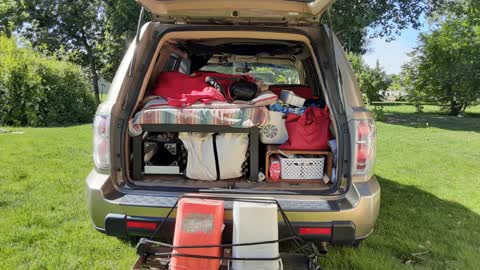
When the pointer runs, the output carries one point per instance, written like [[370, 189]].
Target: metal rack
[[138, 162]]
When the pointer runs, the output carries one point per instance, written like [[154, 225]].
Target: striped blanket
[[236, 117], [242, 115]]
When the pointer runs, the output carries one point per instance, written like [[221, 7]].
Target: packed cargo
[[242, 121]]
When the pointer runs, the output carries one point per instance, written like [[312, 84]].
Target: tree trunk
[[93, 70], [93, 65], [455, 108]]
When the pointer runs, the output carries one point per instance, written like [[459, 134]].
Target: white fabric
[[274, 131], [231, 151]]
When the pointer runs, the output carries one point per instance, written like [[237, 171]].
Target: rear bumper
[[350, 217]]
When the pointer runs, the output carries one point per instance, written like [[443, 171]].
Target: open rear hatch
[[237, 11]]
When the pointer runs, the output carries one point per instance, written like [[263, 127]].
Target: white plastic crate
[[302, 168], [289, 97]]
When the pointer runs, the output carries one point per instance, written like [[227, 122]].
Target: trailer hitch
[[305, 256]]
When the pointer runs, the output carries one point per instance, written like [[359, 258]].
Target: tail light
[[144, 225], [101, 141], [364, 147], [315, 231]]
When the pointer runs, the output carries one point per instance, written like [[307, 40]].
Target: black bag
[[164, 150], [240, 89]]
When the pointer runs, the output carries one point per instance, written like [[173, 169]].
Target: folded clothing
[[280, 106]]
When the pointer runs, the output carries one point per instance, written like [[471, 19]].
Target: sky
[[392, 55]]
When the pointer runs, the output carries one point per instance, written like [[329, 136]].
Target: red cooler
[[198, 222]]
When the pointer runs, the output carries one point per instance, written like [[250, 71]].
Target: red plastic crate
[[198, 222]]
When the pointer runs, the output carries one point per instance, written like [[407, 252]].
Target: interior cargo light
[[145, 225], [315, 231]]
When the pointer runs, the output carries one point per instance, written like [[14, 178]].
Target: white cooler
[[255, 222]]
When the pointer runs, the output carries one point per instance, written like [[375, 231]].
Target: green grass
[[430, 215]]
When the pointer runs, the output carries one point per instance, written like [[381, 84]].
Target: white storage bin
[[255, 222], [302, 168], [289, 97]]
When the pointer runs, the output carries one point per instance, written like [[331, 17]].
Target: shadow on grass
[[414, 228], [470, 122]]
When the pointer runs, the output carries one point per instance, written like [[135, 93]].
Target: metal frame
[[138, 163]]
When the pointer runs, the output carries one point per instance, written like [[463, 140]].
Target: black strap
[[213, 82], [215, 153], [162, 244], [216, 257], [308, 249]]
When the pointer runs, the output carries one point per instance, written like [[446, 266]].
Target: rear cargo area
[[243, 114]]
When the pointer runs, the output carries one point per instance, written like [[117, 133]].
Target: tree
[[120, 28], [446, 65], [372, 81], [10, 17], [75, 28], [351, 18], [95, 33]]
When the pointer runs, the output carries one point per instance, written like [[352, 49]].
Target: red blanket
[[183, 90]]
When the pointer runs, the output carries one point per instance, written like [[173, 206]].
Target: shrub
[[378, 113], [39, 91]]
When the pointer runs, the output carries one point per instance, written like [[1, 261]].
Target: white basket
[[302, 168], [289, 97]]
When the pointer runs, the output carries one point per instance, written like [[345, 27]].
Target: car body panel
[[236, 11], [360, 205]]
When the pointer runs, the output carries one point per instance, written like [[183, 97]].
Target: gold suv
[[285, 44]]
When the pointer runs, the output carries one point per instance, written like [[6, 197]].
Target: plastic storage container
[[289, 97], [198, 222], [255, 222], [302, 168]]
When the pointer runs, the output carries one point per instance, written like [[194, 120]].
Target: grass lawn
[[430, 215]]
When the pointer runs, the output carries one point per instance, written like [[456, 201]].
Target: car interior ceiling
[[200, 53]]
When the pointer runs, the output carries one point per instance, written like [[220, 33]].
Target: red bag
[[309, 131]]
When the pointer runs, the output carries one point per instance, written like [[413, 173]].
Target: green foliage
[[37, 91], [120, 28], [75, 28], [95, 33], [10, 16], [430, 205], [372, 81], [379, 113], [351, 18], [446, 66]]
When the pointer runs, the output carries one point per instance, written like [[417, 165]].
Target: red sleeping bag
[[182, 90]]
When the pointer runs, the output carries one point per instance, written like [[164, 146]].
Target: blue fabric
[[284, 108]]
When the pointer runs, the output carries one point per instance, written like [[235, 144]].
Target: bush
[[38, 91], [378, 113]]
